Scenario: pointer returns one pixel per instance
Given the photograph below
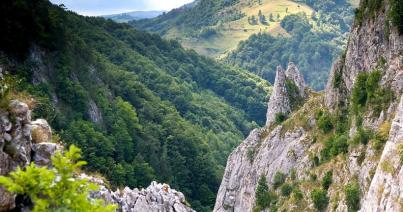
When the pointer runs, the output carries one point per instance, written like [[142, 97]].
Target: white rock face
[[386, 189], [156, 197], [279, 101], [292, 73], [368, 48], [271, 154], [41, 131]]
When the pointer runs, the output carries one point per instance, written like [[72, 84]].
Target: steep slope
[[141, 108], [340, 151]]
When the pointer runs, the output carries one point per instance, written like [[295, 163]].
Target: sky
[[106, 7]]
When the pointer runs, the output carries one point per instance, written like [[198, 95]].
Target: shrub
[[362, 136], [250, 154], [313, 177], [352, 195], [293, 174], [338, 79], [325, 123], [286, 189], [297, 194], [327, 180], [279, 179], [396, 14], [359, 93], [264, 197], [55, 189], [334, 146], [320, 199], [280, 117], [361, 158]]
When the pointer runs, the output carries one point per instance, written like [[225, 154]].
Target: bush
[[359, 93], [279, 179], [352, 193], [55, 189], [325, 123], [297, 194], [327, 180], [264, 197], [250, 154], [320, 199], [286, 189], [334, 146], [280, 117], [362, 136], [396, 14]]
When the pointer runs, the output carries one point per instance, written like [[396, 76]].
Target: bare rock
[[279, 102], [44, 153], [386, 189], [41, 131]]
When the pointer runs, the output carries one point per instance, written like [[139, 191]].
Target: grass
[[231, 33]]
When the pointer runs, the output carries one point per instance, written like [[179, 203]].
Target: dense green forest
[[314, 43], [141, 108]]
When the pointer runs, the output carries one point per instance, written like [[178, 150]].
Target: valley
[[219, 105]]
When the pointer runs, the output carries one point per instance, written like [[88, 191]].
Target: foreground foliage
[[57, 188]]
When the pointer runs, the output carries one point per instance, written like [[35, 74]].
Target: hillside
[[337, 150], [259, 35], [135, 15], [214, 28], [141, 108]]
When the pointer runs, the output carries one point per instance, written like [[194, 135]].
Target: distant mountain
[[135, 15]]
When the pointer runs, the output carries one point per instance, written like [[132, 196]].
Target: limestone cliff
[[360, 150], [280, 102]]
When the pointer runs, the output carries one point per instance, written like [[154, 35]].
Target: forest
[[315, 41], [141, 108]]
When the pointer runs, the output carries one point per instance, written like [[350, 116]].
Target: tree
[[327, 180], [263, 196], [279, 179], [56, 189], [320, 199], [352, 193]]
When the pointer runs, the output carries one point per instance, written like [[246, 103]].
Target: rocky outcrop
[[279, 102], [156, 197], [16, 147], [386, 190], [371, 47], [258, 156], [292, 73]]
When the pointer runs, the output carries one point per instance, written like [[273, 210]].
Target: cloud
[[103, 7]]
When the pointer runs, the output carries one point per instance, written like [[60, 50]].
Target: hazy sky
[[103, 7]]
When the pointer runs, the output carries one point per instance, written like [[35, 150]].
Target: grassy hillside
[[229, 23], [141, 108]]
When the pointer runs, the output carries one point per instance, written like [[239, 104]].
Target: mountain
[[259, 35], [135, 15], [141, 108], [337, 150]]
